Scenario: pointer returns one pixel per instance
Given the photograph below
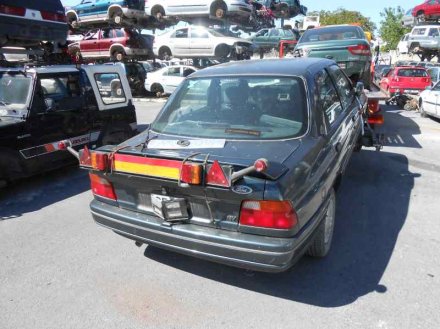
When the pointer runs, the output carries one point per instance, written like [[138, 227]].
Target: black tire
[[158, 12], [157, 89], [421, 16], [118, 55], [322, 242], [222, 51], [219, 10], [164, 53]]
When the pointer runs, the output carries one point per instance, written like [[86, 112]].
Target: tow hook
[[67, 145]]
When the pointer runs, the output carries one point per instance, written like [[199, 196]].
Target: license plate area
[[169, 208]]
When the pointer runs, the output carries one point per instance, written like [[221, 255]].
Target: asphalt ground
[[58, 269]]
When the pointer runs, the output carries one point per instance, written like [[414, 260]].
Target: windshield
[[14, 91], [251, 108], [330, 34], [412, 73]]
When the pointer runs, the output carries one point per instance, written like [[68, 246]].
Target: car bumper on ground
[[253, 252]]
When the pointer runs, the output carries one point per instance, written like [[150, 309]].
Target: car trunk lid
[[204, 204]]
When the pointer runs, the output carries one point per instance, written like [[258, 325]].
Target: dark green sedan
[[240, 167], [345, 44]]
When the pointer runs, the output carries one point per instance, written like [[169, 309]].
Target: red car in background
[[430, 9], [405, 80], [116, 44]]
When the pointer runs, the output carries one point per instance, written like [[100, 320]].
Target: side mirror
[[359, 89]]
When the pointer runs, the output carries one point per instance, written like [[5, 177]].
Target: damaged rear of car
[[232, 170]]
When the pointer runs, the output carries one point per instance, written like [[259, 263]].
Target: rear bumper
[[253, 252], [28, 31]]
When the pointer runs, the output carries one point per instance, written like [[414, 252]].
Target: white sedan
[[200, 42], [429, 101], [167, 79], [210, 8]]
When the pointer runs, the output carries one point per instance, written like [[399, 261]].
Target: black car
[[240, 167], [40, 107], [26, 23]]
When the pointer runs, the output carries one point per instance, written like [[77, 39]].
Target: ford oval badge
[[241, 189]]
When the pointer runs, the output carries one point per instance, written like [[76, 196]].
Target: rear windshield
[[333, 33], [412, 73], [251, 108]]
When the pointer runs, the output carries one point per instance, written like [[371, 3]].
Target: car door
[[172, 77], [431, 101], [200, 43], [106, 40], [86, 9], [274, 36], [89, 46], [261, 38], [179, 41], [58, 112]]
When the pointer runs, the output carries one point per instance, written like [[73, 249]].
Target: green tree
[[344, 16], [391, 29]]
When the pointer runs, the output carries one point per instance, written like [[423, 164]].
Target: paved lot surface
[[60, 270]]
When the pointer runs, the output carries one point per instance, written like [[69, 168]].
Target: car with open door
[[240, 167], [42, 106]]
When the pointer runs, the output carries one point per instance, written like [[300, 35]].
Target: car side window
[[199, 34], [328, 99], [110, 88], [343, 86], [107, 34], [173, 71], [183, 33], [60, 92]]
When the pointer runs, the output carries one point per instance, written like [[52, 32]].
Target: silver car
[[214, 8], [408, 18]]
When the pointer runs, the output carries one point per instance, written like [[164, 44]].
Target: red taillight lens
[[216, 176], [373, 106], [99, 161], [102, 187], [11, 10], [268, 214], [376, 119], [362, 50], [48, 16], [191, 173]]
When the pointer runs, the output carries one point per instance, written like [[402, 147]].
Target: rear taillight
[[361, 50], [375, 119], [268, 214], [100, 161], [12, 10], [48, 16], [373, 106], [191, 173], [102, 187]]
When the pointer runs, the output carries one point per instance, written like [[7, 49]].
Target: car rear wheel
[[222, 51], [118, 55], [421, 16], [219, 9], [157, 89], [158, 12], [164, 53], [323, 239]]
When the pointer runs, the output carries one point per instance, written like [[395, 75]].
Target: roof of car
[[288, 66]]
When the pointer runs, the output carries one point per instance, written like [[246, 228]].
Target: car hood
[[233, 152]]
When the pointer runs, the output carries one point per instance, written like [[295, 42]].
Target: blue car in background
[[120, 12]]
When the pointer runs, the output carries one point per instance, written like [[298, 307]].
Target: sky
[[368, 8]]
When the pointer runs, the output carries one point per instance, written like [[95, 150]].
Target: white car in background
[[192, 8], [429, 101], [200, 42], [402, 46], [167, 79]]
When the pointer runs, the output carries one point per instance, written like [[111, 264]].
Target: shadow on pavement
[[41, 191], [372, 206], [400, 128]]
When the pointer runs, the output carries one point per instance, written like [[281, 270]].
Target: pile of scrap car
[[242, 164]]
